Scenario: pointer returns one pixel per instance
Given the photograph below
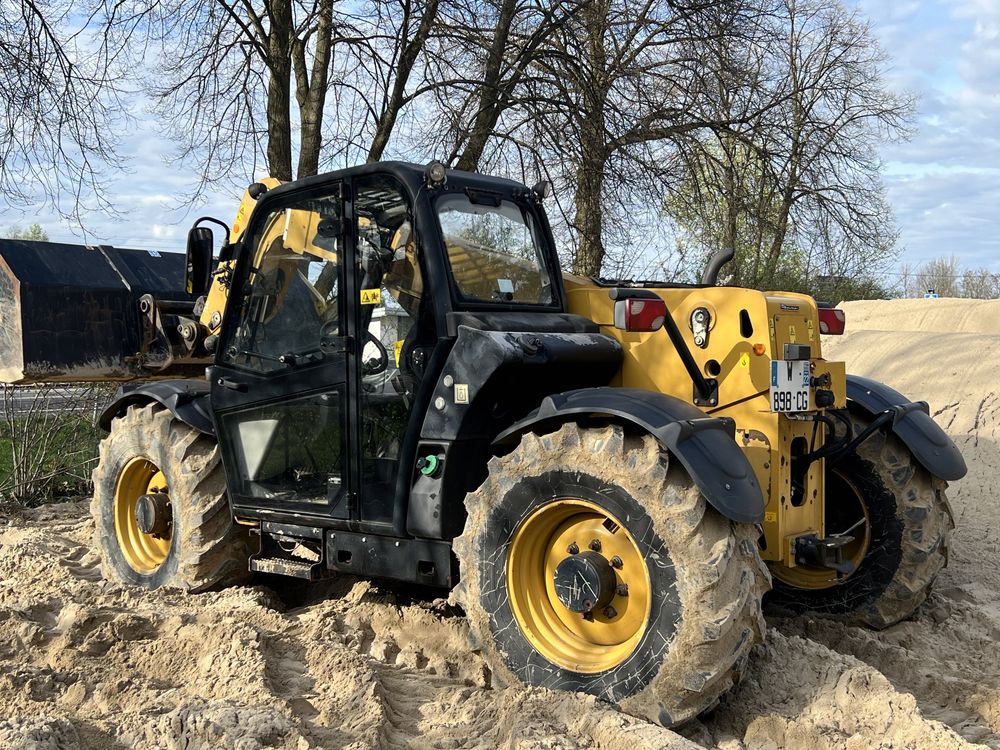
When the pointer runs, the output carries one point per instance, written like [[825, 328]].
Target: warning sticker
[[397, 350], [771, 517], [371, 296], [461, 393], [745, 361]]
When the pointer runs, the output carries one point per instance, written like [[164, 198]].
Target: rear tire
[[694, 578], [908, 523], [150, 450]]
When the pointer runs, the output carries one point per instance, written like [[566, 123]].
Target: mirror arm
[[214, 221]]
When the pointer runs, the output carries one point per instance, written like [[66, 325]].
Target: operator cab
[[342, 312]]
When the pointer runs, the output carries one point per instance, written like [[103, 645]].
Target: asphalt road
[[69, 399]]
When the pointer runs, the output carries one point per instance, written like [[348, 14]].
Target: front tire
[[680, 634], [196, 545], [899, 515]]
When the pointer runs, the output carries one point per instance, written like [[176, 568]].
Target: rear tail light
[[831, 321], [640, 314]]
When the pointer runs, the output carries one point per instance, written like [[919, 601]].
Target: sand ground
[[89, 664]]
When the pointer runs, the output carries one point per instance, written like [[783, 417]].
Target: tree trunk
[[778, 238], [589, 219], [310, 91], [279, 101], [730, 199], [594, 148], [490, 97], [407, 59]]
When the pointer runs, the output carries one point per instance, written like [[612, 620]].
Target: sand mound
[[924, 315], [88, 664]]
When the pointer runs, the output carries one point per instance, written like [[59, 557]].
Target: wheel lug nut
[[595, 544], [588, 605], [622, 589], [616, 562], [610, 612], [588, 616], [573, 548]]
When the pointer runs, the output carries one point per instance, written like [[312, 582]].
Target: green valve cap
[[430, 466]]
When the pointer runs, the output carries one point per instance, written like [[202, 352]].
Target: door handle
[[233, 385], [336, 344]]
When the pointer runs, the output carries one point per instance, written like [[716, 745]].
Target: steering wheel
[[375, 366]]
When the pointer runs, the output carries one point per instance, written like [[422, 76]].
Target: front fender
[[926, 440], [186, 399], [705, 446]]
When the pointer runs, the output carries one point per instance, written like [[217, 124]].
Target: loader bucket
[[71, 312]]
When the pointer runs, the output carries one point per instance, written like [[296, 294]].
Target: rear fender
[[912, 424], [186, 399], [705, 446]]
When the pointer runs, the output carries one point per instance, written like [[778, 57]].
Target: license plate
[[789, 385]]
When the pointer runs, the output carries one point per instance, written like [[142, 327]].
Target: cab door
[[281, 388]]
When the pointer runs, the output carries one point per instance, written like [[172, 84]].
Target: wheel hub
[[585, 582], [143, 518], [578, 585], [152, 513]]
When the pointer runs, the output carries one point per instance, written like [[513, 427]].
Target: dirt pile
[[88, 664]]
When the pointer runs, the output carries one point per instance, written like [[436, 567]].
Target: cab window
[[494, 250], [293, 299]]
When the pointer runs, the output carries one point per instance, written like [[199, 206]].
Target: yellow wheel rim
[[603, 638], [849, 515], [143, 552]]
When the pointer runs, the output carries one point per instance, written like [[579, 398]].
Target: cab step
[[309, 571]]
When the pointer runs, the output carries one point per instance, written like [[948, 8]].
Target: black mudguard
[[912, 424], [186, 399], [706, 446]]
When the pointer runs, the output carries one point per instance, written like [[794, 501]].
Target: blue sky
[[944, 184]]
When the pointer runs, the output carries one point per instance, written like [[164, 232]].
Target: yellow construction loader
[[383, 372]]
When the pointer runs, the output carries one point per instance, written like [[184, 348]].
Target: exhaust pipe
[[715, 265]]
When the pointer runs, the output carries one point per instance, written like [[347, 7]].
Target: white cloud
[[945, 183], [160, 231]]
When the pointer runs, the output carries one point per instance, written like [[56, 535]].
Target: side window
[[291, 451], [293, 289]]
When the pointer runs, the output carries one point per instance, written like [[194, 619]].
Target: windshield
[[494, 252]]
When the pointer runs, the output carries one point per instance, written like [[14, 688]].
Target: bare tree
[[237, 84], [945, 277], [407, 43], [805, 177], [60, 91], [940, 275], [980, 283], [503, 40], [245, 84], [624, 90]]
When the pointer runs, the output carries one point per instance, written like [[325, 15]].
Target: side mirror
[[198, 275]]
